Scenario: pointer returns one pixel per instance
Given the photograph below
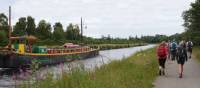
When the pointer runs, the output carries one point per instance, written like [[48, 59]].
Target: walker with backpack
[[162, 55], [173, 50], [189, 48]]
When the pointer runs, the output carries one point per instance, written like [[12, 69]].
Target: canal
[[7, 77]]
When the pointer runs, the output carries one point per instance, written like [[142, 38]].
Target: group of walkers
[[176, 52]]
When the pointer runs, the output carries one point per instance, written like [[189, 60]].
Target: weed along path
[[191, 76]]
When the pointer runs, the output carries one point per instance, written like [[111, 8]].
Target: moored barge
[[20, 52], [22, 55]]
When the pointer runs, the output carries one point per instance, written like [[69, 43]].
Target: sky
[[118, 18]]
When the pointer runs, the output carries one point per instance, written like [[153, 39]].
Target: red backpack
[[161, 51]]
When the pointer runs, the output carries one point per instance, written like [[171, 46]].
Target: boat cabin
[[23, 44]]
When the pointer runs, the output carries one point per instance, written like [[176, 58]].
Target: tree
[[25, 26], [3, 22], [49, 29], [192, 22], [30, 26], [3, 38], [73, 32], [3, 29], [20, 27], [43, 31], [58, 31], [76, 31]]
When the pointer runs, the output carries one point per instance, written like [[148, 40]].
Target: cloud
[[119, 18]]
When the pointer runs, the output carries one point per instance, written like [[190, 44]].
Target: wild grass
[[137, 71], [196, 53]]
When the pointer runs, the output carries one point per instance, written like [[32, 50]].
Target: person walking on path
[[189, 45], [181, 57], [168, 48], [173, 50], [162, 56]]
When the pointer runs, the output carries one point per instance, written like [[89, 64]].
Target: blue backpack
[[174, 46]]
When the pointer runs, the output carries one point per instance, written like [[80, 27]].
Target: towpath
[[191, 76]]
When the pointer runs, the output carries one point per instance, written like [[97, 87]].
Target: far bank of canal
[[105, 57]]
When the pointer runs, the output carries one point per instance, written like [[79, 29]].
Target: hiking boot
[[190, 57], [173, 59], [180, 76], [163, 72], [160, 73]]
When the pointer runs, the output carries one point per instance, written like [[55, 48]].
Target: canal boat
[[21, 52]]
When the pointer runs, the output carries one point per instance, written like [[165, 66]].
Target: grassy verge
[[137, 71], [115, 46], [109, 46], [196, 53]]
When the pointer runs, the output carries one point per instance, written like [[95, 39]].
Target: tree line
[[43, 31], [56, 35], [192, 22]]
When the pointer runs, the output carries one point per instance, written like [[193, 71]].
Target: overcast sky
[[119, 18]]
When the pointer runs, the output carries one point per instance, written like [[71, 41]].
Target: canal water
[[7, 77]]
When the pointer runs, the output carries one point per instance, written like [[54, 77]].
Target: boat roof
[[30, 37]]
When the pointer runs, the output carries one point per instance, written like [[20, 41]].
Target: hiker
[[168, 48], [181, 57], [162, 56], [173, 49], [189, 45]]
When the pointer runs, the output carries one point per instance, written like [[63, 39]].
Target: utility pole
[[10, 28], [81, 29]]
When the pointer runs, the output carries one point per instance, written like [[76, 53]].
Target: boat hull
[[15, 60]]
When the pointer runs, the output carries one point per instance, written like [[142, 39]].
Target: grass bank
[[115, 46], [137, 71], [108, 46], [196, 52]]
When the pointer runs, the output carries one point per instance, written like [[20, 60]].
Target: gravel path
[[191, 76]]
